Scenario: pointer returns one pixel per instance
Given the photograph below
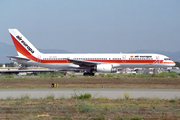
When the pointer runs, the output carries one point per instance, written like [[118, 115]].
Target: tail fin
[[23, 46]]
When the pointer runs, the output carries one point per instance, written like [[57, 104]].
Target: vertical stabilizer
[[23, 46]]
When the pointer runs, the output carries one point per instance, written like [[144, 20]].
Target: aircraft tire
[[91, 74], [88, 74], [84, 74]]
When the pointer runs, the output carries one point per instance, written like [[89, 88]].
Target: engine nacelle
[[104, 68]]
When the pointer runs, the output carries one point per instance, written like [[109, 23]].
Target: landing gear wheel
[[91, 74], [84, 74], [88, 74]]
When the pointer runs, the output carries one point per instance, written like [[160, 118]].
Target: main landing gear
[[89, 72]]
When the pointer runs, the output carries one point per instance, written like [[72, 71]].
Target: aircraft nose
[[173, 63]]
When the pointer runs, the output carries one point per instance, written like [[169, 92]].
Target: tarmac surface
[[102, 92]]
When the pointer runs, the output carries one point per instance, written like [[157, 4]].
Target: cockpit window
[[167, 59]]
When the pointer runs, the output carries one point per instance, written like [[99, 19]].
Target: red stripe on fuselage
[[108, 61]]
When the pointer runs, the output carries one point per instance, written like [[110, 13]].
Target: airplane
[[92, 63]]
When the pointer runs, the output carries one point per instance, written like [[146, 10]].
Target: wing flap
[[83, 62]]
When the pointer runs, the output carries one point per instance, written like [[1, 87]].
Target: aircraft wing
[[84, 63], [18, 58]]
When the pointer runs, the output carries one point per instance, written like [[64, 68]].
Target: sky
[[94, 26]]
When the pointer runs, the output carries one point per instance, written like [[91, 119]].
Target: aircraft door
[[124, 58], [39, 58], [157, 60]]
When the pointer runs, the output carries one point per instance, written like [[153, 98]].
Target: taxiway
[[103, 92]]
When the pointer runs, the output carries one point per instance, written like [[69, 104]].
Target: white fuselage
[[60, 61]]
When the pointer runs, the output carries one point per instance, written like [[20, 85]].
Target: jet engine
[[104, 68]]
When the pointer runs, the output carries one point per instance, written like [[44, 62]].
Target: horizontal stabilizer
[[19, 71], [18, 58]]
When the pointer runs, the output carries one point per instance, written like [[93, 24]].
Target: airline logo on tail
[[25, 44]]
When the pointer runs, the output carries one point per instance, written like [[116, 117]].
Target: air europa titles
[[25, 44]]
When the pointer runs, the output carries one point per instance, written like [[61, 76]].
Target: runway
[[103, 92]]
